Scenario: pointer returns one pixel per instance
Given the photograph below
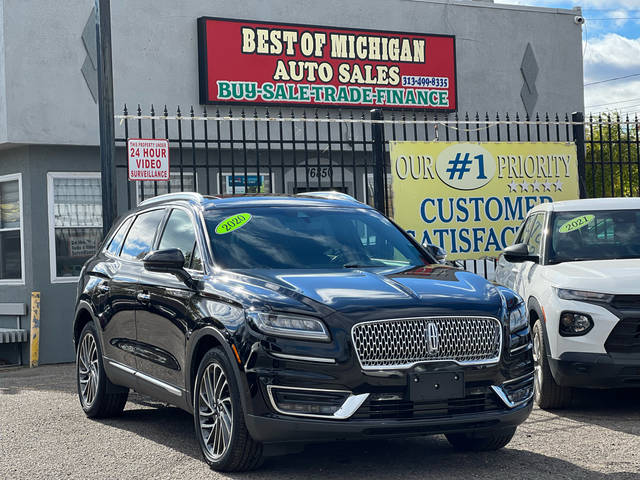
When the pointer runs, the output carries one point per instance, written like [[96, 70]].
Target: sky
[[611, 49]]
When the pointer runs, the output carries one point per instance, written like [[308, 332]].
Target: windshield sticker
[[576, 223], [232, 223]]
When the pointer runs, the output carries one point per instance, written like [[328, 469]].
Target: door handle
[[143, 297], [103, 288]]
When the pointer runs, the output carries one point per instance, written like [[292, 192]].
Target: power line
[[613, 103], [612, 79], [612, 18]]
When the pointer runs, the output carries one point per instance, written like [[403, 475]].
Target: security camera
[[578, 20]]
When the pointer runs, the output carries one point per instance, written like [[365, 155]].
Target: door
[[119, 332], [163, 324], [510, 274]]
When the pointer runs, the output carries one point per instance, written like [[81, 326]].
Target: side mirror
[[439, 253], [168, 261], [519, 253]]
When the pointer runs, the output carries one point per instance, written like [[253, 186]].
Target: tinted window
[[140, 238], [595, 235], [534, 238], [196, 261], [306, 238], [116, 241], [178, 233]]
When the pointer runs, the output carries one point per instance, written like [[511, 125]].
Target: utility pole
[[105, 112]]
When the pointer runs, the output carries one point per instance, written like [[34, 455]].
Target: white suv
[[577, 265]]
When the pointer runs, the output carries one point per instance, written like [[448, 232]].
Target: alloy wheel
[[537, 362], [88, 369], [215, 410]]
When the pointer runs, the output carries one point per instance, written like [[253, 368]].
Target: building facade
[[508, 59]]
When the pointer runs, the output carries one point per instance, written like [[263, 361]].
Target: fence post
[[377, 136], [577, 120], [105, 112]]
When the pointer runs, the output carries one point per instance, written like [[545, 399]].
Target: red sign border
[[203, 67], [168, 160]]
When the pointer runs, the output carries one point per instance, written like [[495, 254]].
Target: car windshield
[[307, 238], [594, 235]]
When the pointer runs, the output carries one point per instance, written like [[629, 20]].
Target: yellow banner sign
[[470, 198]]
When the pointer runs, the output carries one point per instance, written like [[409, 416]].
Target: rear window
[[140, 238], [116, 241]]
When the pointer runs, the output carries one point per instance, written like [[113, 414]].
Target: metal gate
[[278, 151]]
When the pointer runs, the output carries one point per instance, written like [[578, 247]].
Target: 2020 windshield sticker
[[576, 223], [232, 223]]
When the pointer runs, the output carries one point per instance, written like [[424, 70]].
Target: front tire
[[481, 442], [224, 440], [98, 396], [548, 394]]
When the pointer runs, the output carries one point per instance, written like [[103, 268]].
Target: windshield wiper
[[358, 265]]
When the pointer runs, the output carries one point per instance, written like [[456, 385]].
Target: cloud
[[611, 53]]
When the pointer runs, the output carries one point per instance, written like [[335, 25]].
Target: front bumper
[[596, 370], [276, 429]]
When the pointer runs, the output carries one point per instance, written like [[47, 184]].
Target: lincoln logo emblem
[[433, 338]]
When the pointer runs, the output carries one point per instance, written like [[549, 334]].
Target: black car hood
[[375, 293]]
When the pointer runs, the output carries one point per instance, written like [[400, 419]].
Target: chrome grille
[[404, 342]]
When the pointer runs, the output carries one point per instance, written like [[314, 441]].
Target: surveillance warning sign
[[248, 62], [148, 159]]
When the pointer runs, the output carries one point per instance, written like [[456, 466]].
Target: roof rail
[[192, 196], [329, 195]]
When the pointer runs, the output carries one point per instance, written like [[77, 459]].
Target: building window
[[239, 184], [146, 190], [75, 222], [11, 251]]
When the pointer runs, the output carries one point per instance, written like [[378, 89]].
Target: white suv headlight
[[290, 326], [569, 294], [518, 318]]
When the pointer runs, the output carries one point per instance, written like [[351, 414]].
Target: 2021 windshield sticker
[[232, 223], [576, 223]]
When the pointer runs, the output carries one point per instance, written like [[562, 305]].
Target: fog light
[[335, 404], [575, 324], [521, 394]]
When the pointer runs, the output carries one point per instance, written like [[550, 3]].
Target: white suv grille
[[404, 342]]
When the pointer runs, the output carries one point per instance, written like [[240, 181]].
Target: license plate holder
[[431, 387]]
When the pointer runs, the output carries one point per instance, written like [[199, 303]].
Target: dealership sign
[[148, 159], [470, 198], [262, 63]]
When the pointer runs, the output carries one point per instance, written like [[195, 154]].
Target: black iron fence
[[286, 151], [225, 152]]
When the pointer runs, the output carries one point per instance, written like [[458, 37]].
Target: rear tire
[[98, 396], [481, 442], [548, 394], [224, 440]]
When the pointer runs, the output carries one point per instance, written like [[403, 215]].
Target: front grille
[[404, 342], [476, 400], [625, 336]]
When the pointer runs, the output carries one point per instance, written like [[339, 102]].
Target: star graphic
[[513, 186], [547, 186], [536, 186], [524, 185], [558, 185]]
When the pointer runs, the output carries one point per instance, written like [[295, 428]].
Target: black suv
[[308, 318]]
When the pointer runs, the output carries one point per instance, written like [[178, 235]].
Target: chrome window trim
[[490, 361], [351, 404], [302, 358]]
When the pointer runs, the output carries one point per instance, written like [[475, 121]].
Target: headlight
[[518, 318], [291, 326], [568, 294]]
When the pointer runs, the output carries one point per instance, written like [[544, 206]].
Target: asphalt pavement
[[45, 434]]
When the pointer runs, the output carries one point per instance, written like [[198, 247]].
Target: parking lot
[[44, 434]]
